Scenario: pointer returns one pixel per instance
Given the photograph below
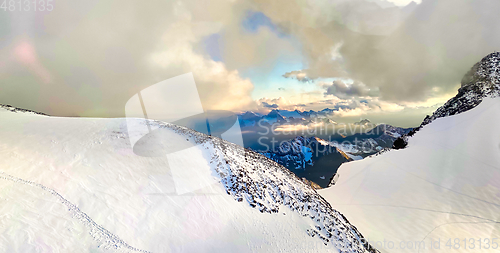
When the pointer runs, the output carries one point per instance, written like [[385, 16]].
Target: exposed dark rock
[[482, 80]]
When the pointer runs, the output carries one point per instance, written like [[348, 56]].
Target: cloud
[[88, 58], [424, 54], [219, 88], [406, 57], [278, 103], [297, 74], [267, 105], [356, 107], [342, 89], [325, 28], [89, 63], [257, 48], [407, 114]]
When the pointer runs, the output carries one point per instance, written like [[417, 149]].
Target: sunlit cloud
[[298, 128]]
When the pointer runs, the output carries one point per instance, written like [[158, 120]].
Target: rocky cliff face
[[483, 80]]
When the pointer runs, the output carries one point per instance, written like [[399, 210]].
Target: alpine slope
[[76, 185], [442, 192]]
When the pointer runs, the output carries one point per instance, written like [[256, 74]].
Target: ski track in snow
[[438, 185], [430, 210], [106, 239]]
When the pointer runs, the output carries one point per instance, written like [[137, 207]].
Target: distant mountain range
[[284, 116], [311, 158], [317, 160], [311, 155]]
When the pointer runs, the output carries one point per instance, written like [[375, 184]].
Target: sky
[[389, 61]]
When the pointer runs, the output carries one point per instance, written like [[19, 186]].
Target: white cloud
[[219, 88]]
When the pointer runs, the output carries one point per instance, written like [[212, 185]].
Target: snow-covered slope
[[442, 189], [445, 185], [75, 185]]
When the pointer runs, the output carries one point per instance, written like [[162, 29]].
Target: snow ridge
[[15, 109], [246, 178], [107, 240], [268, 187]]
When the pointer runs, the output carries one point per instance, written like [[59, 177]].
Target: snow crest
[[270, 187], [106, 239]]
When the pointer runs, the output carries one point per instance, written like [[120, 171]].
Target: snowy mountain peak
[[483, 80], [327, 110], [363, 122], [249, 115], [485, 72], [275, 114]]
